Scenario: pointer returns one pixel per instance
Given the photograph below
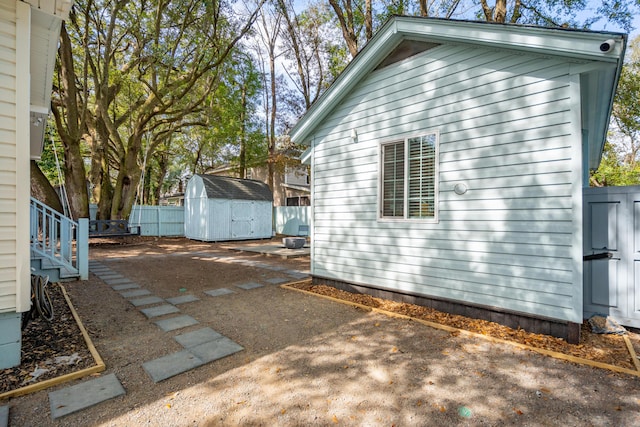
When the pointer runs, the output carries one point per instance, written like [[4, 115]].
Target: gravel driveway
[[309, 361]]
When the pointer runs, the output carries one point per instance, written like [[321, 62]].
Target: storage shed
[[218, 208], [448, 162]]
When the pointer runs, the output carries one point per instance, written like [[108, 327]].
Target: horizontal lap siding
[[505, 131], [8, 272]]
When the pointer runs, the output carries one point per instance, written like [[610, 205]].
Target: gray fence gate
[[612, 226]]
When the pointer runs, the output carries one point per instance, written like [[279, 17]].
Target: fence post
[[159, 221], [82, 248]]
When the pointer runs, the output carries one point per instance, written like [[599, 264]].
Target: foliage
[[621, 159], [140, 73]]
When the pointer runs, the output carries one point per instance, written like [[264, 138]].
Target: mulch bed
[[609, 349], [49, 349]]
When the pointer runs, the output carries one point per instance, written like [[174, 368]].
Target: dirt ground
[[310, 361]]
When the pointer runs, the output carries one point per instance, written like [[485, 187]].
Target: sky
[[604, 26]]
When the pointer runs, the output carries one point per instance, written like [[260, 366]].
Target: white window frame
[[405, 217]]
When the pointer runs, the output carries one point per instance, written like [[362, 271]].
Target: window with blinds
[[409, 170], [393, 180]]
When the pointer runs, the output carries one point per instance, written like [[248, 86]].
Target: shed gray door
[[612, 225], [242, 219]]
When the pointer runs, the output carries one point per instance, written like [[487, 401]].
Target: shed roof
[[223, 187], [598, 68]]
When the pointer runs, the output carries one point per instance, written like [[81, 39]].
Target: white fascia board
[[567, 43], [45, 32], [58, 8]]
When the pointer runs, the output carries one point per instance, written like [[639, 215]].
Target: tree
[[145, 69], [621, 158], [268, 34], [307, 47], [358, 19], [354, 18]]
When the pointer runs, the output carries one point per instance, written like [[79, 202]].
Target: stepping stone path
[[200, 346], [174, 323], [248, 286], [182, 299], [152, 299], [84, 395], [135, 293], [218, 292]]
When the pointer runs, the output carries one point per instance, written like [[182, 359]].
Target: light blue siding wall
[[507, 130]]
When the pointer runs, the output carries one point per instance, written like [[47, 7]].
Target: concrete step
[[56, 273]]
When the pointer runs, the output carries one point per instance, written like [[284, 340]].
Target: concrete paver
[[146, 301], [178, 322], [195, 338], [110, 276], [182, 299], [218, 292], [124, 286], [171, 365], [275, 250], [214, 350], [296, 274], [135, 293], [160, 310], [80, 396], [250, 285], [277, 280], [116, 281]]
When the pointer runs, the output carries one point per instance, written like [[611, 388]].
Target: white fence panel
[[288, 218]]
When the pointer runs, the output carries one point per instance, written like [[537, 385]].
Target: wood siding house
[[29, 32], [448, 162]]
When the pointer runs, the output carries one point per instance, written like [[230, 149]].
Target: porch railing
[[59, 239]]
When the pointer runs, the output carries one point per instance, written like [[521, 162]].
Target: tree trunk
[[42, 190], [500, 13], [243, 136], [346, 25], [272, 126], [368, 20], [125, 191], [70, 129], [163, 166]]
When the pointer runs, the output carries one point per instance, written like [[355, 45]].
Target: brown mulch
[[609, 349], [49, 349]]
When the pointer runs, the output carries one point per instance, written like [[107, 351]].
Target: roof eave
[[579, 45]]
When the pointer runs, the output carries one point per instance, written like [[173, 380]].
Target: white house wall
[[507, 126], [14, 113]]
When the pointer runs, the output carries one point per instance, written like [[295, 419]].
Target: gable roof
[[598, 70], [223, 187]]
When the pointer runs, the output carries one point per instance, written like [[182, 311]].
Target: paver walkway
[[200, 346]]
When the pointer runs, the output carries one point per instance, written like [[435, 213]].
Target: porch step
[[56, 273]]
